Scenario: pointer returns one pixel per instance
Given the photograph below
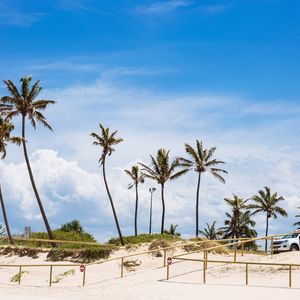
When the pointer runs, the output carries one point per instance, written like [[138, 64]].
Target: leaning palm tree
[[5, 137], [106, 141], [23, 102], [162, 170], [137, 178], [210, 232], [266, 202], [201, 161]]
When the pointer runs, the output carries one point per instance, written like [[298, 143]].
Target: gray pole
[[151, 190]]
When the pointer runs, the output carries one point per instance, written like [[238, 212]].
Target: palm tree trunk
[[112, 204], [163, 210], [50, 233], [197, 204], [136, 209], [5, 218], [267, 229]]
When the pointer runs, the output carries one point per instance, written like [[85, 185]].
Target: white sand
[[148, 281]]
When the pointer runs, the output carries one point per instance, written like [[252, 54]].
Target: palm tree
[[106, 141], [201, 161], [137, 178], [238, 227], [5, 137], [297, 216], [237, 206], [24, 103], [266, 202], [210, 232], [161, 171], [2, 231]]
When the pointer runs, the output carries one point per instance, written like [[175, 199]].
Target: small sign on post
[[169, 261], [27, 232], [82, 268]]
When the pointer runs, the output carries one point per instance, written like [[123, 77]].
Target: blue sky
[[163, 73]]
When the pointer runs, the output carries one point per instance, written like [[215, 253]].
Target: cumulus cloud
[[258, 141]]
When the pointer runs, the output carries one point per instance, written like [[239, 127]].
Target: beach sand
[[148, 281]]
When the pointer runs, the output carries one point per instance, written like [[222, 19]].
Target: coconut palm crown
[[210, 232], [201, 160], [297, 216], [161, 170], [5, 136]]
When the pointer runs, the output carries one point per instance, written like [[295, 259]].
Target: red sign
[[169, 261], [82, 268]]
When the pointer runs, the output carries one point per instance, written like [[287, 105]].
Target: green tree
[[137, 177], [2, 231], [210, 232], [172, 230], [267, 203], [106, 141], [73, 225], [5, 137], [237, 205], [297, 216], [241, 227], [162, 170], [201, 160], [23, 103]]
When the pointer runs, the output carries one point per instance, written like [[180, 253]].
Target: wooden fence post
[[234, 257], [272, 250], [290, 276], [168, 272], [165, 257], [83, 279], [122, 266], [50, 279], [20, 274], [243, 248], [204, 271], [247, 274]]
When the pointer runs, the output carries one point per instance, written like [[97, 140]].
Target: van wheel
[[294, 248]]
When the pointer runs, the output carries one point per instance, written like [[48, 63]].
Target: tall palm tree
[[210, 232], [23, 102], [201, 161], [238, 227], [297, 216], [5, 137], [266, 202], [137, 178], [106, 141], [162, 170]]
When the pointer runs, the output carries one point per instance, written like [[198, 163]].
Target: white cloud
[[258, 142], [157, 8]]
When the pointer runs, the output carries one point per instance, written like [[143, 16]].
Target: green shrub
[[17, 277], [64, 236], [61, 276], [83, 256], [143, 238]]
